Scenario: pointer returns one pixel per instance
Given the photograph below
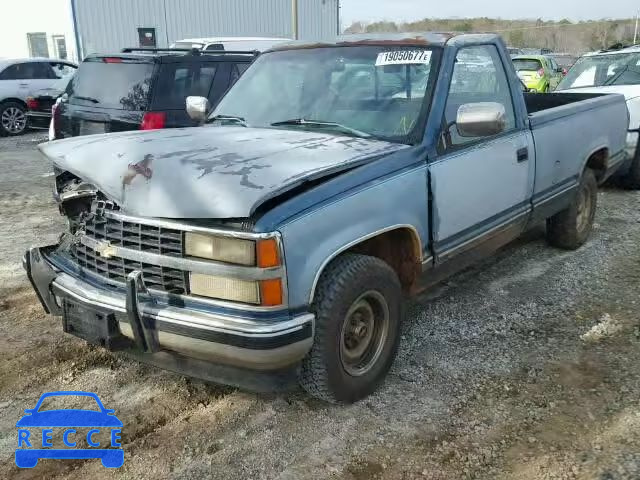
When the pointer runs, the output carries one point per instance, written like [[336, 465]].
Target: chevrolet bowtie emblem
[[106, 250]]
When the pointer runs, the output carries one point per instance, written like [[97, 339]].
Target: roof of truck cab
[[437, 39]]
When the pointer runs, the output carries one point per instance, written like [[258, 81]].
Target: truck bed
[[538, 102], [568, 128]]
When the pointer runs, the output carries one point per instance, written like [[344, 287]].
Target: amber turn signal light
[[271, 292], [267, 252]]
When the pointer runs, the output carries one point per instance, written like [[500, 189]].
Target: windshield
[[603, 70], [368, 90], [524, 65]]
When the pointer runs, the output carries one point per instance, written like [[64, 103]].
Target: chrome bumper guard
[[238, 341]]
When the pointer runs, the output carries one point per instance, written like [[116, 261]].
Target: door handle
[[23, 84], [523, 155]]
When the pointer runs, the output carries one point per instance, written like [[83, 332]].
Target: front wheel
[[570, 228], [358, 312]]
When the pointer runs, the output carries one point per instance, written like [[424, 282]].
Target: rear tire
[[632, 179], [13, 119], [358, 309], [570, 228]]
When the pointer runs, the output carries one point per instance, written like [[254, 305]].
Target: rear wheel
[[358, 310], [13, 119], [570, 228], [632, 179]]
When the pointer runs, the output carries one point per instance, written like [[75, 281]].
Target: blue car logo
[[36, 433]]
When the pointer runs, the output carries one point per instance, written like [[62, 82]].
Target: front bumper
[[170, 335]]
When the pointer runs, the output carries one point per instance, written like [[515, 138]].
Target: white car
[[611, 71], [259, 44], [18, 79]]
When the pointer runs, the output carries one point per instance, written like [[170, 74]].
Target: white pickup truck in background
[[613, 71]]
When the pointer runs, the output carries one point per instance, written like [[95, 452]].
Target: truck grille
[[135, 236]]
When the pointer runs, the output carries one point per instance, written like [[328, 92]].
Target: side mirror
[[483, 119], [197, 108]]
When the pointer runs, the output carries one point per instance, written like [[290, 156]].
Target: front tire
[[358, 309], [13, 119], [570, 228]]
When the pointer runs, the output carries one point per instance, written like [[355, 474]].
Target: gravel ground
[[524, 367]]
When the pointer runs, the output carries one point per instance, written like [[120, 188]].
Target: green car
[[537, 72]]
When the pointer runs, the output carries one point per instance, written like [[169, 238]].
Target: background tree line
[[560, 36]]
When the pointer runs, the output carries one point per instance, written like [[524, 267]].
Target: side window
[[27, 71], [12, 72], [478, 76], [177, 82], [42, 71], [237, 69], [62, 70]]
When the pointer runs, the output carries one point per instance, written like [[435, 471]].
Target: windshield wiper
[[88, 99], [230, 118], [320, 123]]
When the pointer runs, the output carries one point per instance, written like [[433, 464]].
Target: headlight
[[223, 249], [225, 288], [267, 293]]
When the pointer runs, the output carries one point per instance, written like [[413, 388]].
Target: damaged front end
[[131, 283]]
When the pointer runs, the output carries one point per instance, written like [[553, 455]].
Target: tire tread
[[335, 279]]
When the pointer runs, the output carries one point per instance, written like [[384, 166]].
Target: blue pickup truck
[[278, 239]]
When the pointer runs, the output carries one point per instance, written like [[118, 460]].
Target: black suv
[[143, 89]]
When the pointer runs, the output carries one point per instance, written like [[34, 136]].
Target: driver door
[[481, 187]]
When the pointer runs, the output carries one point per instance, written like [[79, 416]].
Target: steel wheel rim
[[365, 329], [584, 209], [14, 120]]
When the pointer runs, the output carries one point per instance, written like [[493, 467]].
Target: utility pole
[[635, 33], [294, 19]]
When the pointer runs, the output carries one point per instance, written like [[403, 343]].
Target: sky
[[407, 10]]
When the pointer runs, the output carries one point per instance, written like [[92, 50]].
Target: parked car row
[[29, 88], [276, 239]]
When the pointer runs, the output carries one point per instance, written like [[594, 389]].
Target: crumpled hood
[[206, 172]]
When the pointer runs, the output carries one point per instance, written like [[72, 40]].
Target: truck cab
[[278, 240]]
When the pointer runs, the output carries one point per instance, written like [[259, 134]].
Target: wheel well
[[598, 162], [16, 100], [400, 248]]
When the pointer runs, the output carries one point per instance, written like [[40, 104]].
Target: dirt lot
[[525, 367]]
